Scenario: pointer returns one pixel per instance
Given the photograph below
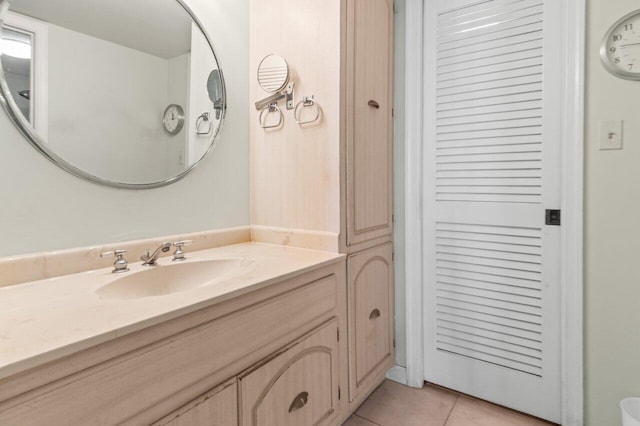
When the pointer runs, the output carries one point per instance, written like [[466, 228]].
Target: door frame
[[572, 163], [40, 67]]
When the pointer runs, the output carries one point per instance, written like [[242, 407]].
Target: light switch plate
[[610, 135]]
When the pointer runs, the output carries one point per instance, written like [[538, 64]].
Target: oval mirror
[[123, 93], [273, 73]]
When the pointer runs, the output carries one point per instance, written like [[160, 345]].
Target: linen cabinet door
[[298, 387], [370, 275], [218, 407], [369, 86]]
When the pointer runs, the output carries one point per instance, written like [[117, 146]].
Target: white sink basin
[[162, 280]]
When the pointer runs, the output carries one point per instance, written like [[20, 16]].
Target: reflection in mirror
[[112, 91], [16, 62]]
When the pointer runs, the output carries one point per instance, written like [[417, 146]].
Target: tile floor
[[393, 404]]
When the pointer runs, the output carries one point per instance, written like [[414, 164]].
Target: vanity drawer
[[298, 387], [218, 407], [137, 383]]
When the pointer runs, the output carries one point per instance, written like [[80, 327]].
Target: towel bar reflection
[[306, 102], [264, 116], [204, 118]]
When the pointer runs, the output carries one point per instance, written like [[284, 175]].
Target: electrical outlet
[[610, 135]]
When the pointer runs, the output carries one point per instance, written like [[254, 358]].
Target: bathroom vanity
[[275, 339]]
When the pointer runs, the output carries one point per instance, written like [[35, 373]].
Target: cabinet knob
[[374, 104], [374, 314], [299, 401]]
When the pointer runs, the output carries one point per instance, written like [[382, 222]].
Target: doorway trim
[[571, 251], [40, 68]]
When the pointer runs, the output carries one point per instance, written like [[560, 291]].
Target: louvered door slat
[[480, 325], [490, 149], [514, 38], [501, 346], [505, 22], [517, 298], [496, 83], [534, 26], [534, 344], [481, 10], [489, 254]]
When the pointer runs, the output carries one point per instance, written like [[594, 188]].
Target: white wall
[[45, 208], [107, 99], [612, 232]]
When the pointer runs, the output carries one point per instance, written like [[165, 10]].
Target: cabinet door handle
[[374, 314], [374, 104], [299, 401]]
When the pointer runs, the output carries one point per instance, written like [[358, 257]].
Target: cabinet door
[[370, 275], [369, 119], [298, 387], [219, 407]]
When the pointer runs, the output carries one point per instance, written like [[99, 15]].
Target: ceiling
[[158, 27]]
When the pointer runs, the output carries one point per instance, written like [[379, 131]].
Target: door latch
[[553, 217]]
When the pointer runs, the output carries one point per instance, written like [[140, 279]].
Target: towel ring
[[204, 118], [306, 102], [264, 114]]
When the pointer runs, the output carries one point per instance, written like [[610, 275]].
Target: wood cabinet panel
[[370, 280], [117, 390], [369, 84], [298, 387], [218, 407]]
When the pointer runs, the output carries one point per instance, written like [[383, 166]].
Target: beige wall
[[612, 231], [286, 162]]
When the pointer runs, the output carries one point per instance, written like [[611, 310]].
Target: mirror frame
[[25, 128]]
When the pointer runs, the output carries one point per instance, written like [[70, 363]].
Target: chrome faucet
[[150, 259]]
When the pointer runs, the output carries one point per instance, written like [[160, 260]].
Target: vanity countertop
[[42, 321]]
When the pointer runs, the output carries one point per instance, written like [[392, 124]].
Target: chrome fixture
[[306, 102], [264, 114], [215, 87], [179, 255], [287, 94], [274, 78], [205, 117], [150, 259], [121, 264]]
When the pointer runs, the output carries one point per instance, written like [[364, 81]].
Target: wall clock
[[173, 119], [620, 50]]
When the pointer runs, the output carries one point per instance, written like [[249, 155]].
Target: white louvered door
[[492, 143]]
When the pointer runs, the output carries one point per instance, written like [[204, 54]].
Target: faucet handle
[[179, 254], [120, 252], [120, 265]]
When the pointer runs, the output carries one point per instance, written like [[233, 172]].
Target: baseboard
[[398, 374]]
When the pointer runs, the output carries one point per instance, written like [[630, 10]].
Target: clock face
[[620, 49], [173, 119]]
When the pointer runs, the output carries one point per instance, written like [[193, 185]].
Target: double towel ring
[[306, 102], [264, 115]]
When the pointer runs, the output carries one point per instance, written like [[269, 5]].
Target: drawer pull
[[374, 104], [299, 401], [374, 314]]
